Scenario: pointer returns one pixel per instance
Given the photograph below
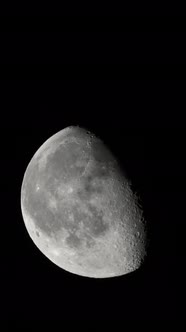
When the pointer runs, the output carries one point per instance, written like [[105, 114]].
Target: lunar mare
[[79, 208]]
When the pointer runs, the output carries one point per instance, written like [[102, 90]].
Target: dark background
[[134, 119], [135, 101]]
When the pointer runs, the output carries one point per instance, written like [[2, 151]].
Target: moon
[[79, 209]]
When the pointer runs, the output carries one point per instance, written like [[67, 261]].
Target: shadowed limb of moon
[[79, 208]]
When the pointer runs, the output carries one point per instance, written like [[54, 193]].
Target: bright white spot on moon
[[55, 252], [37, 187]]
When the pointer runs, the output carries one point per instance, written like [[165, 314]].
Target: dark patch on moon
[[88, 189], [90, 242], [90, 183], [64, 163], [99, 171], [73, 240], [96, 224], [46, 221]]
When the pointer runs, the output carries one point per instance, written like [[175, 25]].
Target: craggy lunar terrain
[[79, 209]]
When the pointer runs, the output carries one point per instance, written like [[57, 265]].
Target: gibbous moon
[[79, 208]]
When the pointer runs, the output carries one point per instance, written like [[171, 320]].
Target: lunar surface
[[79, 209]]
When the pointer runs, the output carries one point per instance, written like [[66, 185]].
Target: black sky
[[137, 107]]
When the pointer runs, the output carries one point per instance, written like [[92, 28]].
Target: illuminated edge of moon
[[111, 245]]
